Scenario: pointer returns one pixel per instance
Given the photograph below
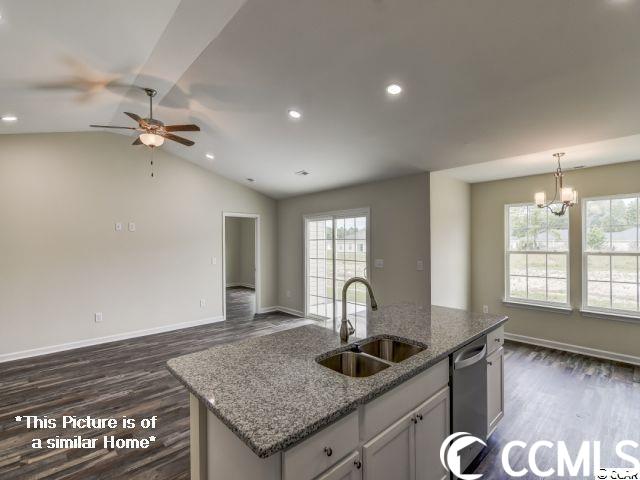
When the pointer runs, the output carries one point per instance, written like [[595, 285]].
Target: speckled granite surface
[[272, 394]]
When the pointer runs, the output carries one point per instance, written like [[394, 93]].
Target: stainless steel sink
[[390, 350], [354, 364]]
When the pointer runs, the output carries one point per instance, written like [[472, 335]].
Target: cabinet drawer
[[386, 409], [495, 339], [322, 450]]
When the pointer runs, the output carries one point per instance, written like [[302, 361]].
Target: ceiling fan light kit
[[568, 196]]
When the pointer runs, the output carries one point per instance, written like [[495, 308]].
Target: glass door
[[336, 249]]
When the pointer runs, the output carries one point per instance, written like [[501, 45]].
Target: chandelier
[[568, 196]]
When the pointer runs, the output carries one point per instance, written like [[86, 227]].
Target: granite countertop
[[272, 394]]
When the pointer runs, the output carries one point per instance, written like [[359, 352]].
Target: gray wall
[[240, 251], [487, 253], [450, 241], [399, 235], [62, 260]]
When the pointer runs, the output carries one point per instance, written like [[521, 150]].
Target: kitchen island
[[265, 408]]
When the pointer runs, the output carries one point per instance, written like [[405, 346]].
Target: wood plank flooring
[[553, 395], [120, 378], [549, 395]]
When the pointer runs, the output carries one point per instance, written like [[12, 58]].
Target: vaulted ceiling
[[491, 81]]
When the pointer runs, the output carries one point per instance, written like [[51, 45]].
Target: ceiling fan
[[153, 131]]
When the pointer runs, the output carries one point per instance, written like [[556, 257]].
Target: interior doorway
[[241, 266]]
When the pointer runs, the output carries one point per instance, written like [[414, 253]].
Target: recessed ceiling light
[[251, 180], [210, 156], [9, 118], [295, 114], [394, 89], [304, 173]]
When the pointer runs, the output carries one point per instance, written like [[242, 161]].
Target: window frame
[[507, 298], [602, 311]]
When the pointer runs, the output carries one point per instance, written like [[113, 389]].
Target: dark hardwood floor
[[549, 395], [241, 303], [120, 378], [553, 395]]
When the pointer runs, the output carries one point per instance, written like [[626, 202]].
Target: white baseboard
[[278, 308], [7, 357], [567, 347], [240, 284]]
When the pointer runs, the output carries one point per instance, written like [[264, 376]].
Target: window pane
[[557, 266], [624, 238], [557, 290], [518, 217], [517, 264], [598, 294], [625, 296], [598, 239], [558, 240], [361, 226], [598, 267], [537, 238], [537, 217], [624, 269], [598, 213], [518, 287], [350, 227], [518, 239], [340, 228], [624, 211], [537, 265], [537, 288]]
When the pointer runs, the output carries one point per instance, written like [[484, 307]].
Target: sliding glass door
[[336, 249]]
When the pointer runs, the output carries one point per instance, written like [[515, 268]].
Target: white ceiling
[[491, 81]]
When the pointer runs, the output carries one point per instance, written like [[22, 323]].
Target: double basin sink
[[369, 357]]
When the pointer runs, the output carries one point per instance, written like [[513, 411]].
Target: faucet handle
[[351, 329]]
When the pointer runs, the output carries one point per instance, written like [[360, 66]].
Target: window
[[610, 254], [536, 256], [336, 249]]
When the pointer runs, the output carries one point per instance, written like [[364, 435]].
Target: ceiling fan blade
[[137, 118], [182, 128], [178, 139], [110, 126], [137, 142]]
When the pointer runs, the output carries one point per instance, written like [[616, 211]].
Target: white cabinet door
[[432, 428], [391, 454], [348, 469], [495, 389]]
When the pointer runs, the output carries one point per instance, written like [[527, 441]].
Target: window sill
[[536, 306], [620, 317]]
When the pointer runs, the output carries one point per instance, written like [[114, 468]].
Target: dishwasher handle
[[461, 362]]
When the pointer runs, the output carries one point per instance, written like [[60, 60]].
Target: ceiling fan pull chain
[[152, 165]]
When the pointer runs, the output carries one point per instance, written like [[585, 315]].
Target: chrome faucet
[[346, 328]]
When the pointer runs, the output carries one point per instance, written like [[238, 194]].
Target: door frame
[[356, 212], [256, 266]]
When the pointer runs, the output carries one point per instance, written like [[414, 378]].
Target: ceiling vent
[[303, 173]]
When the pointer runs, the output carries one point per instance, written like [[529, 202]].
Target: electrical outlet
[[485, 308], [97, 317], [203, 303], [378, 263], [420, 265]]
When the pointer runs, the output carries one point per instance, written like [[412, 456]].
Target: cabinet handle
[[328, 451], [496, 340], [419, 416], [490, 364], [358, 464], [414, 420]]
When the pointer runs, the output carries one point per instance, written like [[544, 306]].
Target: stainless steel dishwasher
[[469, 396]]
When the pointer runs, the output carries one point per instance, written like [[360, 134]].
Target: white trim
[[507, 251], [256, 266], [34, 352], [559, 308], [332, 215], [567, 347], [609, 315]]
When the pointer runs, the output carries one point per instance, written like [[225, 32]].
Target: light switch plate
[[485, 309], [118, 226], [379, 263], [420, 265], [214, 261], [97, 317], [203, 303], [132, 227]]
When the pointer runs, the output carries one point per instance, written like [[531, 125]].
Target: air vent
[[304, 173]]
